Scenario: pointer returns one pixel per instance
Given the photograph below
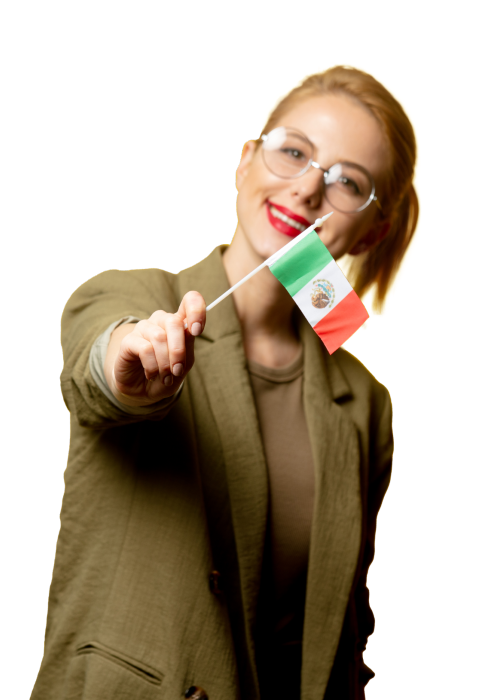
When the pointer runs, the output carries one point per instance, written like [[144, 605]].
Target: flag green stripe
[[299, 266]]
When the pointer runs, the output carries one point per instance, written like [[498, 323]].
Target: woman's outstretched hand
[[147, 361]]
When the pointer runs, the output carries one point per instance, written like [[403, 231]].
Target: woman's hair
[[378, 266]]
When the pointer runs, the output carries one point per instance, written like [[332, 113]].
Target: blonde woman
[[223, 481]]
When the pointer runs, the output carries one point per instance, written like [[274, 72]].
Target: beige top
[[278, 398]]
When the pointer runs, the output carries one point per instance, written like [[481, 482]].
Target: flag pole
[[270, 260]]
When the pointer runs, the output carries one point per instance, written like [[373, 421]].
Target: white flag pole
[[270, 260]]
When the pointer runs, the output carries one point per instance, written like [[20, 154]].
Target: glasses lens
[[287, 153], [349, 187]]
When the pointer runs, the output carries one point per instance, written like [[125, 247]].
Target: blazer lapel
[[220, 365], [337, 518]]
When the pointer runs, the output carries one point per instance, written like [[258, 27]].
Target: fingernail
[[168, 381], [196, 328], [177, 369]]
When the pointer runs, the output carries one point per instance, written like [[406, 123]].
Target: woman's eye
[[348, 183], [293, 153]]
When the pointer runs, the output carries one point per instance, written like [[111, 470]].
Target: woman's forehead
[[341, 130]]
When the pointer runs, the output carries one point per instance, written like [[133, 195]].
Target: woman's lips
[[285, 221], [290, 214]]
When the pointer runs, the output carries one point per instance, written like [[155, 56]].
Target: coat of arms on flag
[[323, 294]]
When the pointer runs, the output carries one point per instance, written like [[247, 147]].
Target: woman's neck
[[264, 309]]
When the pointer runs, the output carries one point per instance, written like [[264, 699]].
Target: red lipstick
[[277, 216]]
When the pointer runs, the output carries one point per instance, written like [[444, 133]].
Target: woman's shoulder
[[360, 380], [117, 294], [149, 276], [146, 287]]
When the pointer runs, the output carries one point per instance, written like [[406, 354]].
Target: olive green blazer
[[153, 504]]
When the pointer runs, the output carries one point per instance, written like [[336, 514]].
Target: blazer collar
[[220, 365], [336, 527]]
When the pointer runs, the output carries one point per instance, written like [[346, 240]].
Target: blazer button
[[195, 693], [214, 581]]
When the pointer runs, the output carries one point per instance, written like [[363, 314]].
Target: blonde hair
[[378, 266]]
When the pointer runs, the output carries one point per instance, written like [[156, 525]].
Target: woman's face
[[340, 130]]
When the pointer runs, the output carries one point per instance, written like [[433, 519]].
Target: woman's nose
[[308, 188]]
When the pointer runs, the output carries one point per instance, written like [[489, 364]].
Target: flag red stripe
[[342, 321]]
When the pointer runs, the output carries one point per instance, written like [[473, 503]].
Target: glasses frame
[[313, 164]]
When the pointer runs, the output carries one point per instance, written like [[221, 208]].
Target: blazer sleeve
[[381, 451], [90, 310]]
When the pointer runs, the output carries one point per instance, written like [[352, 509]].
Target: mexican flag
[[318, 286]]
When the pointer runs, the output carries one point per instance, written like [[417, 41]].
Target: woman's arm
[[95, 306]]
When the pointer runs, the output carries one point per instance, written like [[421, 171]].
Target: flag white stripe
[[334, 275]]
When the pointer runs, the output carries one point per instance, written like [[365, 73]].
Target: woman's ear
[[246, 158], [372, 238]]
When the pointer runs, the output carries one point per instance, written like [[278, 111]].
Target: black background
[[117, 151]]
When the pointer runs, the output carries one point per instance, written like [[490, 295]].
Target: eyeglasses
[[288, 153]]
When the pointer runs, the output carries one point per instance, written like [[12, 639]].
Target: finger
[[193, 309], [176, 344], [156, 334], [189, 339], [132, 348]]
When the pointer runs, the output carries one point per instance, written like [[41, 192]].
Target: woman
[[219, 515]]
